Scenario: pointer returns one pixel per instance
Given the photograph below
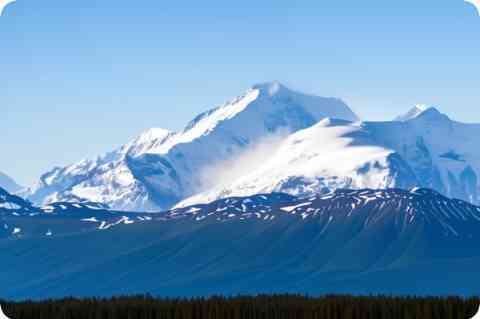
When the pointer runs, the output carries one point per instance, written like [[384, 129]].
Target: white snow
[[314, 152], [289, 209], [209, 123], [48, 209], [332, 150], [104, 225], [10, 206], [126, 220], [336, 154], [210, 141], [416, 111]]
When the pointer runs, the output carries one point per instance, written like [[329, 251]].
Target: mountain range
[[350, 241], [273, 139], [276, 191], [160, 168], [428, 150]]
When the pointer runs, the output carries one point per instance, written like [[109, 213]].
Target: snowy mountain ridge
[[416, 111], [429, 150], [161, 168], [332, 154], [272, 139], [316, 245], [442, 152], [452, 217]]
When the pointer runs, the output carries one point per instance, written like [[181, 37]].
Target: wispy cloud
[[223, 173]]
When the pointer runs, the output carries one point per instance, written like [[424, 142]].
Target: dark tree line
[[259, 307]]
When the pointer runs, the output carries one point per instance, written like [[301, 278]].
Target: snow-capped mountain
[[425, 149], [7, 183], [161, 168], [443, 153], [273, 139], [330, 155], [21, 219], [109, 179], [409, 207], [416, 111], [12, 203], [351, 241]]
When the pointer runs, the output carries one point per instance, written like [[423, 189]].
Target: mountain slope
[[426, 149], [20, 219], [275, 140], [160, 168], [443, 153], [13, 203], [8, 183], [332, 154], [351, 241], [416, 111]]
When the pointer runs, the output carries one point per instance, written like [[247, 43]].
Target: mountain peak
[[420, 111], [270, 88], [160, 168], [149, 139], [432, 114]]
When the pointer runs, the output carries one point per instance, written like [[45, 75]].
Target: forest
[[247, 307]]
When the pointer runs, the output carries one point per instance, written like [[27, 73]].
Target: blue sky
[[78, 78]]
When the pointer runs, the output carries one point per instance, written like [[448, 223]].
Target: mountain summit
[[428, 150], [274, 139], [161, 168], [415, 112]]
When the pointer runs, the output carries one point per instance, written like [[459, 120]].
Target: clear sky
[[78, 78]]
